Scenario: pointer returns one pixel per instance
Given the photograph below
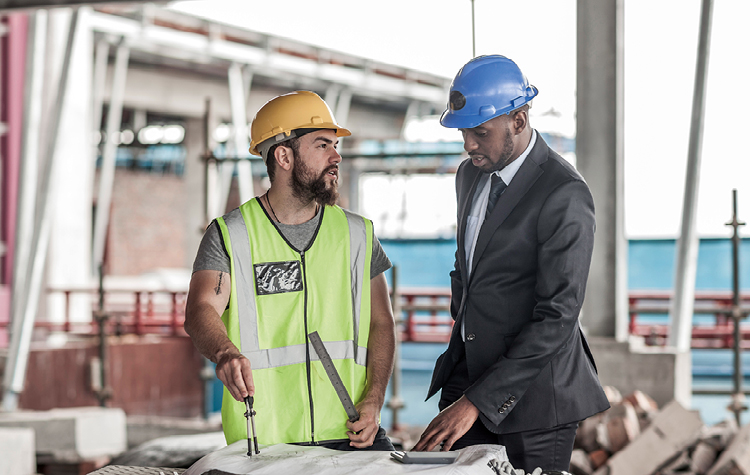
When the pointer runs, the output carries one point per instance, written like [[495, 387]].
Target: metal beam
[[107, 170], [24, 4], [23, 319], [681, 312], [238, 78]]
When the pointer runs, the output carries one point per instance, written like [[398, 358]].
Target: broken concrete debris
[[636, 437]]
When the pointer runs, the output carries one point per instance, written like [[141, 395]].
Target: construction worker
[[518, 371], [285, 264]]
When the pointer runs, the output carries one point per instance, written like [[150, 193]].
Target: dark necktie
[[497, 188]]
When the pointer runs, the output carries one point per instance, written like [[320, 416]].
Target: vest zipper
[[307, 353]]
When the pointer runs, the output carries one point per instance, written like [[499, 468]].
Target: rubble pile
[[636, 437]]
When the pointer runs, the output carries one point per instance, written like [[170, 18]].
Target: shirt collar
[[511, 169]]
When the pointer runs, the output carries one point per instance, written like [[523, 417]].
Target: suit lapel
[[468, 199], [525, 178]]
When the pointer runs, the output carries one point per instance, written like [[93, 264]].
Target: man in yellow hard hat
[[281, 266]]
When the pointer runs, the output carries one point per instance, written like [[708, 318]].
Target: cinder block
[[673, 429], [73, 434], [735, 460], [17, 455]]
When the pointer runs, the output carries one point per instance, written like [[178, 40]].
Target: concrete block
[[580, 463], [619, 428], [586, 433], [673, 429], [735, 460], [17, 455], [73, 434], [703, 458], [662, 373]]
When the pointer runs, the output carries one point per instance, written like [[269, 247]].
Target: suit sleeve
[[565, 234]]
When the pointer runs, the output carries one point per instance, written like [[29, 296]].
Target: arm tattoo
[[218, 286]]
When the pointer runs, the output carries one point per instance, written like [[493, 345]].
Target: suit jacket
[[528, 361]]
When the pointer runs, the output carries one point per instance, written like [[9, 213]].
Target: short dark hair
[[292, 143]]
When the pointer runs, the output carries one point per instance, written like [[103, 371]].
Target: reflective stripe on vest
[[247, 311]]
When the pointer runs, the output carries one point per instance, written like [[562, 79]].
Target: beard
[[308, 187], [505, 154]]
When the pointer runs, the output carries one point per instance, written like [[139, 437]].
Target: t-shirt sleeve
[[379, 262], [211, 253]]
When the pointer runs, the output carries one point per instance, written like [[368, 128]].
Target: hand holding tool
[[250, 416]]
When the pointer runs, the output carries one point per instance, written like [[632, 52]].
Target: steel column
[[109, 155], [238, 78], [23, 318], [681, 311]]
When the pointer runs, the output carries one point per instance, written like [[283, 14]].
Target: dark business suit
[[527, 362]]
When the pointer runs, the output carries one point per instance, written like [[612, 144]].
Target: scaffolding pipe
[[101, 56], [29, 167], [237, 99], [681, 310], [109, 155], [18, 350]]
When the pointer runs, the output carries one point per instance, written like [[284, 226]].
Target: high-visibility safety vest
[[281, 294]]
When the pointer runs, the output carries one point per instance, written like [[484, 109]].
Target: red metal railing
[[129, 311], [424, 317], [715, 331]]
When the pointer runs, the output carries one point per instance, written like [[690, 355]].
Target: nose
[[469, 143], [335, 156]]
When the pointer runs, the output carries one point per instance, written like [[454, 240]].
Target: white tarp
[[293, 459]]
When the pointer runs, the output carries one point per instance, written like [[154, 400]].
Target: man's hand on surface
[[362, 432], [233, 369], [452, 423]]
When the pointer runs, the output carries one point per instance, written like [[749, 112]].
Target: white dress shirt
[[479, 205]]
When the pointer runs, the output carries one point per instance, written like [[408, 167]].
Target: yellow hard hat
[[277, 120]]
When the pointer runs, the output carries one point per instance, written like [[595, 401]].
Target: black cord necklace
[[268, 200]]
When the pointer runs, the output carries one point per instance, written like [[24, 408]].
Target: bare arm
[[207, 299], [380, 351]]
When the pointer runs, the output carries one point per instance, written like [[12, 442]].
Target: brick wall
[[147, 225]]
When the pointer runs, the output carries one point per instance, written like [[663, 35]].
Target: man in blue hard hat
[[518, 371]]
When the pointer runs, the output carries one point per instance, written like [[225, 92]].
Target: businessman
[[518, 371]]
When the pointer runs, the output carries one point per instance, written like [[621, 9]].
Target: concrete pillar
[[194, 197], [599, 157]]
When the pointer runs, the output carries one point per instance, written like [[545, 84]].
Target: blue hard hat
[[486, 87]]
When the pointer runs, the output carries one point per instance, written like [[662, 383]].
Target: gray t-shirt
[[212, 255]]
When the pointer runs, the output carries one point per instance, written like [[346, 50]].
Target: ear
[[520, 121], [283, 157]]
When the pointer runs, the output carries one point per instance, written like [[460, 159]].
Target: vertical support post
[[681, 311], [104, 392], [237, 99], [600, 159], [107, 170], [29, 167], [396, 402], [737, 406], [15, 372], [100, 78]]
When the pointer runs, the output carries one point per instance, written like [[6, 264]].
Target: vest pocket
[[278, 277]]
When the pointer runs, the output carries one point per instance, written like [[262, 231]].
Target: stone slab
[[73, 434], [17, 454]]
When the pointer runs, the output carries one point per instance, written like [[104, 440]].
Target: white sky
[[660, 50]]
